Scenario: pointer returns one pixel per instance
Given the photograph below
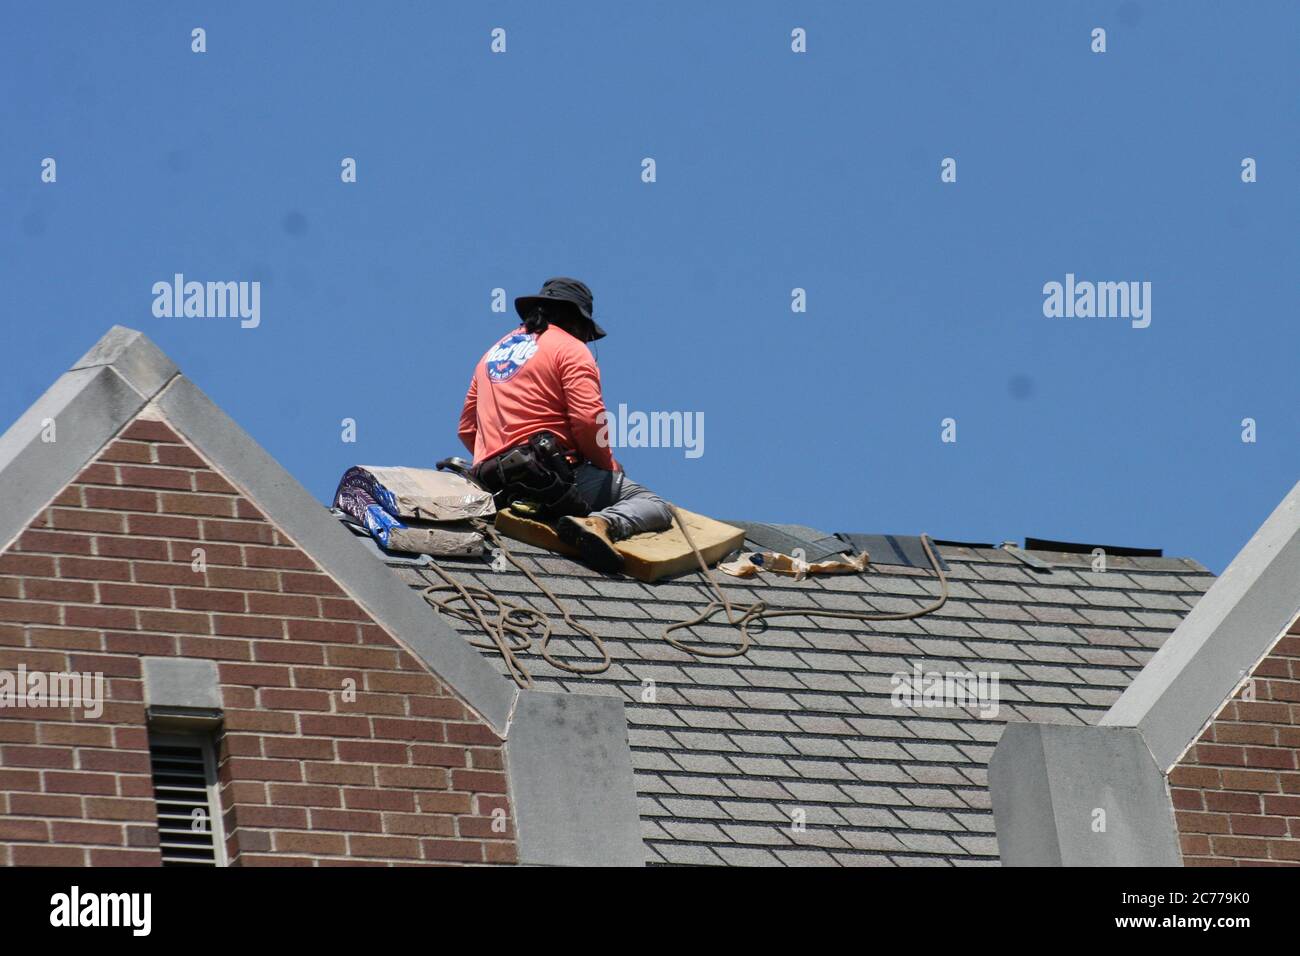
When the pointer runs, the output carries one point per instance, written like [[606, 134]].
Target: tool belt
[[538, 471]]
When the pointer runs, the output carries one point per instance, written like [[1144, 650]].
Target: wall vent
[[185, 790]]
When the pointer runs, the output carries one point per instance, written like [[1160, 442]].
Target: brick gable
[[106, 575], [1236, 791]]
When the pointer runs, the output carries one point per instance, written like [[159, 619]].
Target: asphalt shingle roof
[[796, 754]]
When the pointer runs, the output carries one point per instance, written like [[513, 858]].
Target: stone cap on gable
[[1219, 643]]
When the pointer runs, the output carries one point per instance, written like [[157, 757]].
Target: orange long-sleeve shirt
[[527, 383]]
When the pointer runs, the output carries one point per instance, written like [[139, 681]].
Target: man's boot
[[590, 535]]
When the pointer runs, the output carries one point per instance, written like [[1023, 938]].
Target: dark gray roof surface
[[732, 748]]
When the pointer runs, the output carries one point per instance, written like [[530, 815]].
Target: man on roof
[[533, 421]]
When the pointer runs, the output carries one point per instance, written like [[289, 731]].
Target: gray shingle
[[816, 792], [767, 700], [710, 697], [707, 719], [1161, 619], [901, 859], [927, 842], [703, 763], [649, 784], [748, 856], [746, 811], [1002, 592], [693, 832], [877, 749], [814, 724], [698, 740], [871, 840], [1161, 602], [933, 752], [1057, 615], [975, 822], [692, 809], [923, 773], [757, 788], [780, 723], [651, 830], [688, 855], [696, 785], [819, 746], [756, 835], [764, 767], [761, 744], [885, 796], [656, 739], [829, 770], [870, 817], [656, 716], [806, 858], [931, 797], [879, 772], [982, 846], [806, 721], [928, 820]]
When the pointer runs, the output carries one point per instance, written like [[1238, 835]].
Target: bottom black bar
[[336, 905]]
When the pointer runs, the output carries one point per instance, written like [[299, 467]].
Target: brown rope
[[510, 628], [760, 611], [516, 620]]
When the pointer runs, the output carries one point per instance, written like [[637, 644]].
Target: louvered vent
[[184, 786]]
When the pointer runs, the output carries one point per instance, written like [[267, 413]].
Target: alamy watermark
[[636, 429], [1081, 299], [209, 300], [133, 911], [24, 688], [946, 689]]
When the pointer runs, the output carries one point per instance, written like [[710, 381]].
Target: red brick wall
[[104, 576], [1236, 792]]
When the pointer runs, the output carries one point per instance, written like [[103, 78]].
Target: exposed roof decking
[[730, 748]]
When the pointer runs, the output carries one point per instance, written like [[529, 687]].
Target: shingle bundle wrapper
[[752, 562], [415, 510]]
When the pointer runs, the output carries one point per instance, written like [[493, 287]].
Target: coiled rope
[[760, 611], [511, 618], [509, 629]]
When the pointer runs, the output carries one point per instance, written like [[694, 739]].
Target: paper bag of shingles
[[752, 562], [415, 510]]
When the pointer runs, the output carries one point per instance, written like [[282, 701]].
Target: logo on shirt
[[509, 356]]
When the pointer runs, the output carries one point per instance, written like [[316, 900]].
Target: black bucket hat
[[561, 289]]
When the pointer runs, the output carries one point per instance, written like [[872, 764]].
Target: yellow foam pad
[[646, 557]]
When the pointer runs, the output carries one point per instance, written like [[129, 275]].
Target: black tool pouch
[[536, 472]]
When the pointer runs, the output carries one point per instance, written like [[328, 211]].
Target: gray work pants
[[628, 507]]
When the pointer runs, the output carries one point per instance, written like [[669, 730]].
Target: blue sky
[[774, 171]]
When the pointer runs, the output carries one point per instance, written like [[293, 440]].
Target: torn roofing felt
[[725, 750], [905, 550], [901, 549], [788, 538], [1074, 547]]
